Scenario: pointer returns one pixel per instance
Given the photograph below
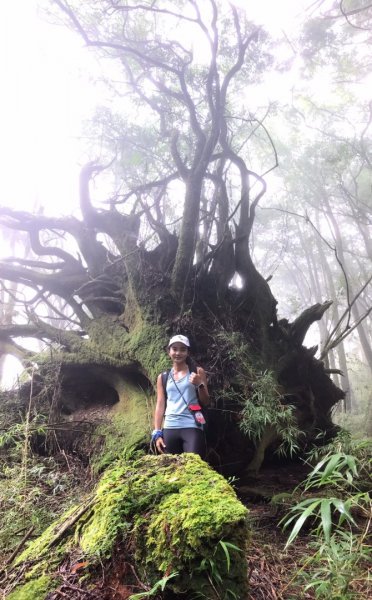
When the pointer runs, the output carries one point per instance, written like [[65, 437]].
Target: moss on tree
[[172, 514]]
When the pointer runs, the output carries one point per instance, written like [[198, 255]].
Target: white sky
[[45, 96], [274, 14]]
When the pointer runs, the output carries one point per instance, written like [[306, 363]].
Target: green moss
[[107, 345], [41, 546], [129, 426], [132, 416], [107, 336], [202, 501], [36, 589], [176, 510], [169, 512], [147, 343], [110, 345]]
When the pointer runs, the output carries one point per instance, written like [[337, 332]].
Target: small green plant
[[158, 587], [48, 488], [211, 566], [342, 442], [264, 409], [336, 564], [319, 510], [347, 449], [337, 471], [333, 469]]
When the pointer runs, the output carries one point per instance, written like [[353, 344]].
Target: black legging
[[187, 439]]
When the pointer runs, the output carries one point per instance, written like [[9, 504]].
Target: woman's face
[[178, 352]]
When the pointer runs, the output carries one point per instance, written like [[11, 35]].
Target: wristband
[[156, 434]]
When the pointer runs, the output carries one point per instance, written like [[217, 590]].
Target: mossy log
[[166, 515]]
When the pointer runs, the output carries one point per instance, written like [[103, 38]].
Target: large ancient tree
[[170, 249]]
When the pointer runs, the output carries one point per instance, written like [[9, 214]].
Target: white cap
[[179, 338]]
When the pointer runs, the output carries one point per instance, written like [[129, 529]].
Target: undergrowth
[[339, 517], [256, 390], [34, 500], [34, 489]]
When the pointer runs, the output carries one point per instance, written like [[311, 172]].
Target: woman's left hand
[[195, 379], [198, 379]]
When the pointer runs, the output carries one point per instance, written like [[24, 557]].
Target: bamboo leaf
[[318, 466], [227, 554], [343, 509], [325, 513], [233, 547], [301, 520], [297, 510], [336, 460]]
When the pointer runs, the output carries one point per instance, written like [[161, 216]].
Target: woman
[[186, 387]]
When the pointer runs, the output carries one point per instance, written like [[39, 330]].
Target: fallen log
[[164, 518]]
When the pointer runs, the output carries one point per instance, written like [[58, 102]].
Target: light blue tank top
[[177, 415]]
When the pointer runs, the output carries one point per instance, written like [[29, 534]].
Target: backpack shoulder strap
[[164, 379]]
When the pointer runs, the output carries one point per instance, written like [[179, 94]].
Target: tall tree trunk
[[354, 308]]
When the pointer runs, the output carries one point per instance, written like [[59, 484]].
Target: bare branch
[[140, 56], [345, 333], [307, 219], [9, 346], [41, 250], [242, 48], [348, 13], [182, 169], [146, 187], [152, 8], [328, 344], [38, 264], [43, 331]]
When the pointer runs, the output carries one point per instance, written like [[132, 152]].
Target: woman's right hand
[[160, 445]]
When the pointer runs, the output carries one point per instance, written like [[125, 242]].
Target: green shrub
[[340, 522]]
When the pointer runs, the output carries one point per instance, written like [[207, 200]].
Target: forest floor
[[272, 569], [279, 573]]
